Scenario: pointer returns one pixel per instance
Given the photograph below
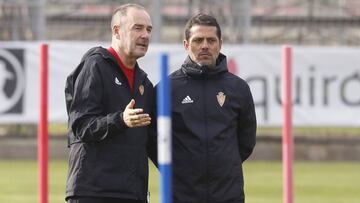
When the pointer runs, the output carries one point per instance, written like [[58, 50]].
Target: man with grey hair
[[108, 98]]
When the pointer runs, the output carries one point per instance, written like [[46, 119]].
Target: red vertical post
[[43, 126], [287, 139]]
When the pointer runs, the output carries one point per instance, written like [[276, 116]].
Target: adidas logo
[[187, 100], [117, 81]]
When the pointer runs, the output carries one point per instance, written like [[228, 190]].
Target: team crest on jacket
[[221, 98], [141, 89]]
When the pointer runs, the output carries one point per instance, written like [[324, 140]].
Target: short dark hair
[[202, 19]]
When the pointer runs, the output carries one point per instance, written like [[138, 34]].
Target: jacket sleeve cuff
[[117, 121]]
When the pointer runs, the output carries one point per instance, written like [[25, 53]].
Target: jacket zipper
[[207, 143]]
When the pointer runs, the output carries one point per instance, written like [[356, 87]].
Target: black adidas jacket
[[214, 127], [107, 159]]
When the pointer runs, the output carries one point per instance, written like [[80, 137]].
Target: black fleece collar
[[192, 69]]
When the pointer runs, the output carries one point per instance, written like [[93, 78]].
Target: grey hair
[[121, 11]]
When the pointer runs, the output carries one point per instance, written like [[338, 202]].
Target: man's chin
[[205, 63], [140, 54]]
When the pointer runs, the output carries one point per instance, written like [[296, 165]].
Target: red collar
[[118, 60], [129, 72]]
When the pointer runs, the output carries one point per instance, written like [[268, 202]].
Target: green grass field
[[325, 182]]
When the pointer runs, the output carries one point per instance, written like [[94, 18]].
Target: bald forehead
[[135, 13], [130, 12]]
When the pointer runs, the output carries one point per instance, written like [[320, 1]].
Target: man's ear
[[116, 31], [186, 44]]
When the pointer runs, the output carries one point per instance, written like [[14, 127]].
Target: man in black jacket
[[108, 98], [213, 120]]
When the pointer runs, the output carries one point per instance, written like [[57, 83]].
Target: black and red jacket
[[107, 159]]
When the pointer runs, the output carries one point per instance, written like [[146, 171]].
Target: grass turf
[[325, 182]]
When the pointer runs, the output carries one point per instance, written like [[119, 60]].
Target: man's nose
[[145, 34], [205, 44]]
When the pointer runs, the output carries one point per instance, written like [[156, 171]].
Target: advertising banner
[[326, 80]]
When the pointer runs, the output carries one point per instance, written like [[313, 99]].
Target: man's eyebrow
[[143, 25]]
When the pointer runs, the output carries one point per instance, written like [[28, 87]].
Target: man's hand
[[134, 117]]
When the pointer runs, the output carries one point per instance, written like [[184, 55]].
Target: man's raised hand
[[135, 117]]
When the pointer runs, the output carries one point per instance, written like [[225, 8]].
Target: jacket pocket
[[116, 170]]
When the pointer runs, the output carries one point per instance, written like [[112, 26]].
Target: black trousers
[[101, 200]]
